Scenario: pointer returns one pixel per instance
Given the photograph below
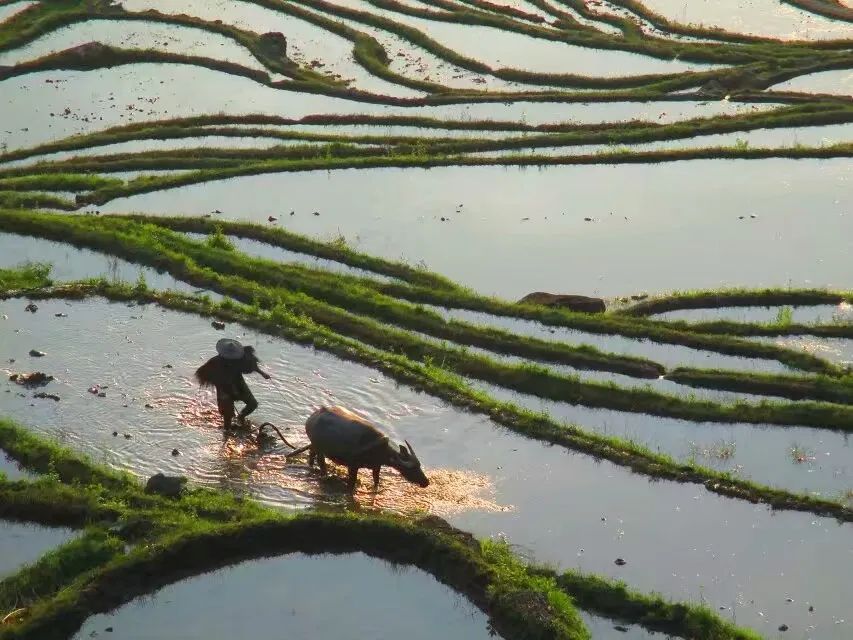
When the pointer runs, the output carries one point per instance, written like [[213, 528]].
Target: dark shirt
[[227, 375]]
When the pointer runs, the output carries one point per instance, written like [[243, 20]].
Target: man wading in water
[[225, 372]]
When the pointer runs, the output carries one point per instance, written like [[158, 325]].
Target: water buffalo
[[352, 441]]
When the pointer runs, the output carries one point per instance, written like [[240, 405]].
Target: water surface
[[22, 544], [678, 540], [345, 596], [534, 221]]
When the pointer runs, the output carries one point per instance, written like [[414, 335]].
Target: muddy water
[[688, 211], [677, 539], [294, 595], [69, 263], [817, 314], [22, 544]]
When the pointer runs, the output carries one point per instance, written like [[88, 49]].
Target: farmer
[[225, 372]]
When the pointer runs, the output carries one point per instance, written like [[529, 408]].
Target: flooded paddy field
[[801, 233], [364, 191], [481, 473], [22, 544], [293, 588]]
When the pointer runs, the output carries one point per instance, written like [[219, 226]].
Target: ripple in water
[[265, 468]]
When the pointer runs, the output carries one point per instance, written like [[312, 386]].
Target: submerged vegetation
[[400, 319]]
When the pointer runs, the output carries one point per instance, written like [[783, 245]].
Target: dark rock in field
[[102, 394], [31, 307], [115, 434], [217, 324], [783, 627], [640, 296], [61, 315], [108, 630], [620, 628], [811, 609], [35, 353], [46, 396], [274, 43], [735, 81], [587, 219], [316, 213], [271, 219], [34, 379], [713, 88], [148, 405], [169, 486], [583, 304], [167, 366], [127, 436], [620, 562], [87, 56], [175, 452]]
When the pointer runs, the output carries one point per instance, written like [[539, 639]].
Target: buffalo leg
[[353, 478], [312, 456], [376, 477], [321, 460]]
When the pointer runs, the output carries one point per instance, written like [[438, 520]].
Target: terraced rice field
[[365, 190]]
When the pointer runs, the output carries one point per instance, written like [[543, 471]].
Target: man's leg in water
[[251, 404], [226, 408]]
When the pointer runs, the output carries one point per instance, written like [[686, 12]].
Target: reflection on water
[[688, 210], [813, 314], [298, 597], [22, 544], [607, 629], [679, 540], [838, 350], [11, 469], [69, 263], [263, 463]]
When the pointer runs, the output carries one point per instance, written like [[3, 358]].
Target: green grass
[[439, 382], [616, 600], [25, 276], [144, 542], [343, 304], [735, 298]]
